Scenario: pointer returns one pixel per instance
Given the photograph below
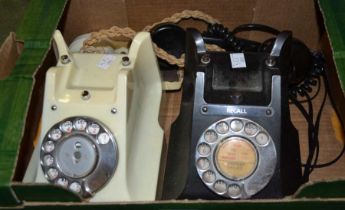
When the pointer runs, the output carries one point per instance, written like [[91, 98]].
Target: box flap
[[44, 193], [36, 30], [314, 204], [325, 189], [40, 20], [9, 52], [8, 198], [334, 19]]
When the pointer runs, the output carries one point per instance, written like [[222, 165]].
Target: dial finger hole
[[67, 126], [234, 191], [210, 136], [204, 149], [103, 138], [93, 129], [55, 134], [48, 160], [209, 176], [203, 163], [75, 187], [262, 139], [52, 173], [250, 129], [80, 124], [62, 182], [222, 127], [236, 125], [220, 186], [49, 146]]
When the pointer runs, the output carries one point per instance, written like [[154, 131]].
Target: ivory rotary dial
[[79, 153]]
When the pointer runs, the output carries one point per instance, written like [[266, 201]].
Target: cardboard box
[[22, 90]]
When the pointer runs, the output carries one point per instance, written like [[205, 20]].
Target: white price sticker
[[237, 60], [106, 61]]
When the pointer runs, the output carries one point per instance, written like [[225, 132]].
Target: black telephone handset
[[228, 141]]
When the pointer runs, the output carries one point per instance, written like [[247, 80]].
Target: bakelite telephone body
[[100, 135]]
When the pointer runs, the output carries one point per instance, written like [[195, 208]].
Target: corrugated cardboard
[[9, 53]]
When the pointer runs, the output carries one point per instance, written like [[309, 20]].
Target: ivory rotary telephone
[[100, 135]]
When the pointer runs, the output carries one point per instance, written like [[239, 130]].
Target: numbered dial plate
[[235, 157], [80, 154]]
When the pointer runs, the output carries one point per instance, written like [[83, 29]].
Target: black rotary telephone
[[233, 137]]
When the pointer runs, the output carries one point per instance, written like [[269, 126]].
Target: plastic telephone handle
[[281, 41], [199, 44], [195, 46], [60, 46]]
